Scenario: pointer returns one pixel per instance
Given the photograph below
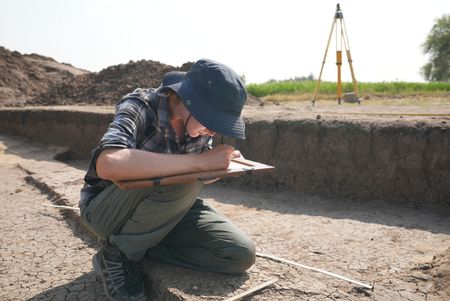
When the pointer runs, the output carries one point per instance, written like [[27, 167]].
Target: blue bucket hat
[[213, 93]]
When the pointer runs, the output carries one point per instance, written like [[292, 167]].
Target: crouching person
[[157, 133]]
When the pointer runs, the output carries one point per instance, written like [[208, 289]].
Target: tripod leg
[[350, 60], [355, 83], [323, 62]]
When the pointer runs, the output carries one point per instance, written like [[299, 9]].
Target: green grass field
[[307, 87]]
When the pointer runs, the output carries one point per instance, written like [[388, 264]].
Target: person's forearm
[[128, 164]]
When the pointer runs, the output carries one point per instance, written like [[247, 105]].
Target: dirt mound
[[32, 79], [111, 84], [106, 86], [38, 80], [25, 76]]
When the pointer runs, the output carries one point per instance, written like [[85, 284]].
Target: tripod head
[[338, 14]]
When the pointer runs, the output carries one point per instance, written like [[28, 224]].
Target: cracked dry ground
[[403, 250], [43, 255]]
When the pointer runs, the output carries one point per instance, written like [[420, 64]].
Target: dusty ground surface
[[435, 109], [403, 251], [432, 109], [43, 254]]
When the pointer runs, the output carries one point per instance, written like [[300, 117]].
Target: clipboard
[[237, 167]]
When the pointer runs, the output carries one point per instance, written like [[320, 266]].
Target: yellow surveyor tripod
[[341, 38]]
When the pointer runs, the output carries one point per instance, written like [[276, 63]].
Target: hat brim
[[217, 121], [173, 77]]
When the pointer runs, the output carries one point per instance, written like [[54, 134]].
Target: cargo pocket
[[109, 210], [156, 215]]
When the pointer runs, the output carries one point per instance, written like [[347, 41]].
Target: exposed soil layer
[[396, 160], [352, 159]]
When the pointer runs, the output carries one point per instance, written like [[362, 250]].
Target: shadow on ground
[[86, 287], [396, 214], [89, 286], [179, 281]]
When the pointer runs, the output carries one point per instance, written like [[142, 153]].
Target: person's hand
[[219, 157], [237, 154]]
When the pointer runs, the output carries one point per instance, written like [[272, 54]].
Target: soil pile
[[23, 77], [37, 80], [32, 79], [106, 86]]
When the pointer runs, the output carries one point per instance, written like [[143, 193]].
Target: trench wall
[[335, 158]]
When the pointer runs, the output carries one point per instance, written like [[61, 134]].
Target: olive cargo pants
[[169, 224]]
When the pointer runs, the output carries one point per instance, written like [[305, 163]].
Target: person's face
[[195, 128]]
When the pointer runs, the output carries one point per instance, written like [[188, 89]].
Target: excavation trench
[[338, 158]]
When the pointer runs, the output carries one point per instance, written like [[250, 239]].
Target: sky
[[259, 39]]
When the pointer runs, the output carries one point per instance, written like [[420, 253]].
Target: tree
[[437, 46]]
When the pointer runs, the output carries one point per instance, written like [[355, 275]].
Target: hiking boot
[[121, 277]]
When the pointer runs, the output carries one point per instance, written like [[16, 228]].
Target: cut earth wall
[[349, 159]]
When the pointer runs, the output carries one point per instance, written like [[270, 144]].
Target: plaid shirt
[[141, 122]]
